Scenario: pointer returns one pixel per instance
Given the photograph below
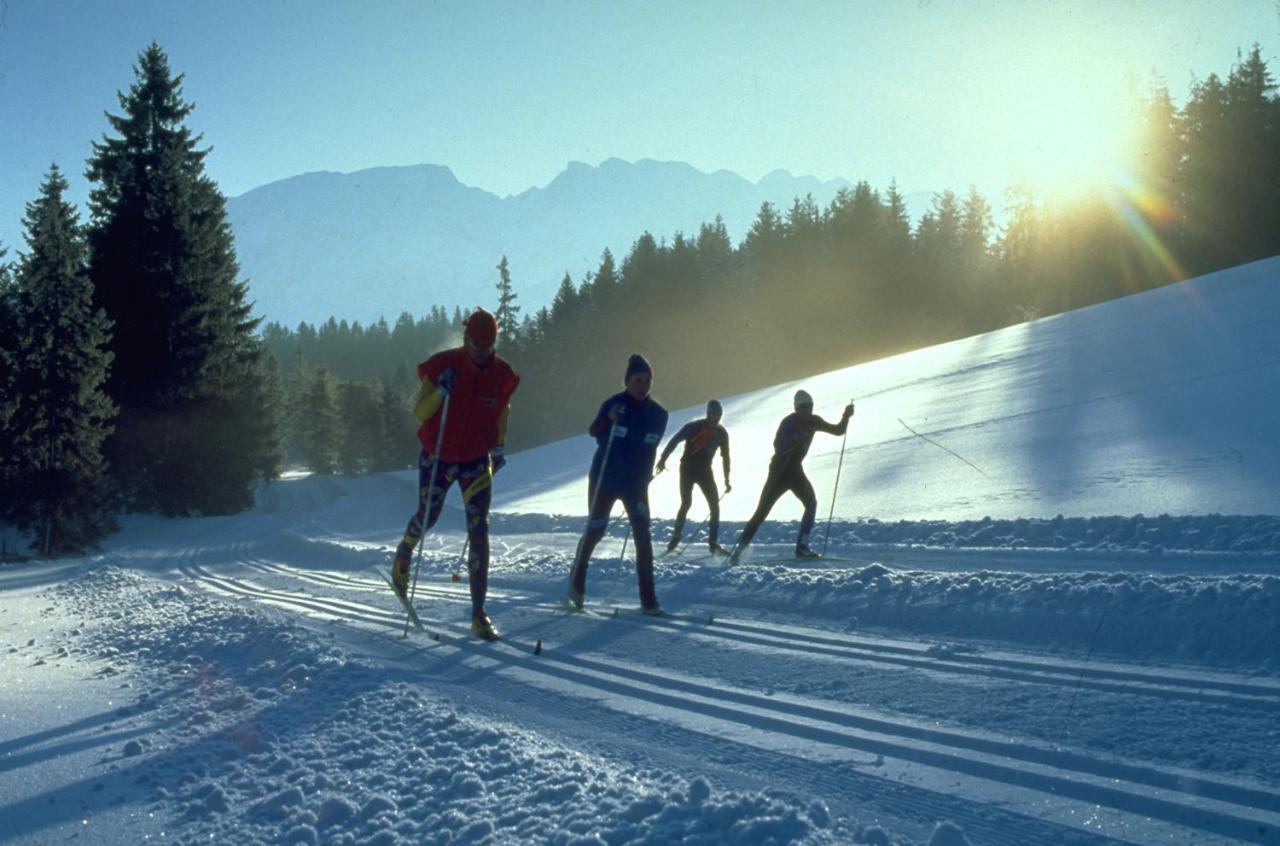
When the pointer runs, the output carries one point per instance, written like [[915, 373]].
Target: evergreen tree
[[508, 313], [320, 424], [360, 426], [61, 363], [8, 394], [397, 446], [191, 434]]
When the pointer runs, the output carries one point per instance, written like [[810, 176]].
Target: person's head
[[639, 378], [714, 411], [480, 335], [803, 402]]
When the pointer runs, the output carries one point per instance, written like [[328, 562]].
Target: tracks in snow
[[1047, 779]]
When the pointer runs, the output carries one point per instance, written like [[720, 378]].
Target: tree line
[[134, 375], [811, 289]]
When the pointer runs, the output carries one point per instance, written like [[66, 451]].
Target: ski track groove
[[897, 740], [1208, 690]]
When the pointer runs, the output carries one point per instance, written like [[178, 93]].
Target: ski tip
[[537, 647]]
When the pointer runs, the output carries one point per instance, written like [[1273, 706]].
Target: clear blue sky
[[934, 93]]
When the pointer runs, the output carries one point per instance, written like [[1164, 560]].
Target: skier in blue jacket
[[627, 429]]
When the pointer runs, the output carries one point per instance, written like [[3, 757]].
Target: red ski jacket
[[477, 407]]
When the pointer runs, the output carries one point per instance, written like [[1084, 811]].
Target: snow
[[1077, 642]]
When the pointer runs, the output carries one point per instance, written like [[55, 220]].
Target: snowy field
[[1063, 628]]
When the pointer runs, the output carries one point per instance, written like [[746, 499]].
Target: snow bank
[[264, 733]]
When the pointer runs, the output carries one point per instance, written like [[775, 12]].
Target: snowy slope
[[1027, 679], [1163, 402]]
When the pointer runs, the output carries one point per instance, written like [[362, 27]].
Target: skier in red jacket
[[479, 385]]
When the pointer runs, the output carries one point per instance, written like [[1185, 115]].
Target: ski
[[791, 559], [403, 600]]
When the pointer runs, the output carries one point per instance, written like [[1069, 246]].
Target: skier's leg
[[597, 523], [477, 493], [804, 490], [707, 484], [686, 499], [429, 489], [768, 496], [637, 505]]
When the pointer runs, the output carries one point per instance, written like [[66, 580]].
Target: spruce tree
[[61, 363], [508, 313], [8, 395], [321, 426], [194, 430]]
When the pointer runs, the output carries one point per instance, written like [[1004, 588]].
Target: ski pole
[[457, 568], [426, 517], [839, 465]]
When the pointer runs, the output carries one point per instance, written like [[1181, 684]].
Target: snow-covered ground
[[1064, 630]]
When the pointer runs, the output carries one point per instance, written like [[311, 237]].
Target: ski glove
[[447, 380], [497, 459], [848, 411]]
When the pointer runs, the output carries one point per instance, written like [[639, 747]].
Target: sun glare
[[1068, 137], [1071, 148]]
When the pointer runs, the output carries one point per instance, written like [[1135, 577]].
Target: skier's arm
[[429, 400], [724, 452], [682, 435], [502, 424], [840, 428], [785, 438], [601, 423]]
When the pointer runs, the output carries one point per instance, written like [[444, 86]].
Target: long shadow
[[622, 680]]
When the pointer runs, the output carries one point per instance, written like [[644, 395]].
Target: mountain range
[[376, 242]]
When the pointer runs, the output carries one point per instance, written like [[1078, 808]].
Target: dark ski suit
[[786, 472], [627, 469], [701, 440]]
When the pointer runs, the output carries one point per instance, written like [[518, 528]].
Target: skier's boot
[[482, 627], [803, 552], [400, 575], [671, 547], [574, 600], [654, 610], [717, 549]]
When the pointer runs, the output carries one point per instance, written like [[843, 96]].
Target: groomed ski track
[[654, 686]]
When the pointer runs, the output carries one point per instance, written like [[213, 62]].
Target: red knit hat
[[481, 327]]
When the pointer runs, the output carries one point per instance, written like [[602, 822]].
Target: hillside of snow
[[1165, 402], [1063, 630]]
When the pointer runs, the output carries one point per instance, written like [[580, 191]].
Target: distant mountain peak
[[381, 240]]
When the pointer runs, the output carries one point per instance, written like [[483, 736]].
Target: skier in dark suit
[[786, 472], [627, 429], [701, 439]]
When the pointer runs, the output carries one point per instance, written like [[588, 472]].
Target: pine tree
[[8, 396], [321, 427], [61, 364], [194, 430], [508, 313], [359, 426]]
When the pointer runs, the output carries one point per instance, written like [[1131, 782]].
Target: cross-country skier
[[627, 429], [786, 471], [701, 440], [479, 385]]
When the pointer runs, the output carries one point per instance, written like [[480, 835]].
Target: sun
[[1070, 141]]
